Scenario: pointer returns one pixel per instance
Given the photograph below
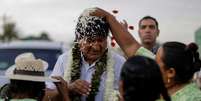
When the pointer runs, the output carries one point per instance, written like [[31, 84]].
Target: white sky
[[178, 19]]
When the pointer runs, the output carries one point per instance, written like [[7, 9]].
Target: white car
[[46, 50]]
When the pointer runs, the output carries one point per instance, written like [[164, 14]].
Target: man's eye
[[152, 27], [142, 27]]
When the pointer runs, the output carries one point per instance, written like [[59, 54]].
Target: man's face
[[93, 48], [148, 31]]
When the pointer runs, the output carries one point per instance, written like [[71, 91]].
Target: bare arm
[[124, 38]]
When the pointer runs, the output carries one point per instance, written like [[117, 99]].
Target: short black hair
[[183, 58], [142, 80], [149, 17]]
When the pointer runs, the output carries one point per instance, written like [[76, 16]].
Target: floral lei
[[104, 64]]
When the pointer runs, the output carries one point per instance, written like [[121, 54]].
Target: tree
[[9, 30], [44, 36]]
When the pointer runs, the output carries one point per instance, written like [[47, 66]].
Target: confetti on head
[[91, 26]]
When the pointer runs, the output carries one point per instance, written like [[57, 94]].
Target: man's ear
[[158, 32]]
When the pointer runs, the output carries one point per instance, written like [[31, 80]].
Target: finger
[[82, 88], [125, 23], [57, 78], [82, 82], [60, 79], [85, 85], [62, 84]]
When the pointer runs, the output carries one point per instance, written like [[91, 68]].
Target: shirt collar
[[86, 63]]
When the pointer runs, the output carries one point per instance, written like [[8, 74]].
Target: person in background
[[148, 31]]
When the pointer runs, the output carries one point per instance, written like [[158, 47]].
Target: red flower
[[131, 27], [112, 38], [112, 44], [115, 11]]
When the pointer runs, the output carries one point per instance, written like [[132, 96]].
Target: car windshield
[[7, 56]]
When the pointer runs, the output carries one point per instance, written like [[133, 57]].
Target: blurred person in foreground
[[141, 80], [27, 80]]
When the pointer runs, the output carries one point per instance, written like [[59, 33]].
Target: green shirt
[[145, 52], [189, 93], [26, 99]]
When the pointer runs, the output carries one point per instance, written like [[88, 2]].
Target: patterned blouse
[[189, 93], [27, 99]]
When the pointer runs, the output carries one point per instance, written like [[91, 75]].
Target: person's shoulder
[[117, 57], [189, 93], [65, 54], [26, 99], [196, 93]]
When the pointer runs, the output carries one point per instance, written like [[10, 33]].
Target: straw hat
[[28, 68]]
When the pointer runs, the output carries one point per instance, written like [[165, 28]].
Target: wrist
[[70, 88], [110, 17]]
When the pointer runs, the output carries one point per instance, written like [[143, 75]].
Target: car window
[[7, 56]]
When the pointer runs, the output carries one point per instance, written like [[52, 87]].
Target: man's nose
[[96, 45], [147, 29], [95, 48]]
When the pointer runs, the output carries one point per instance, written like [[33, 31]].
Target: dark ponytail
[[193, 49]]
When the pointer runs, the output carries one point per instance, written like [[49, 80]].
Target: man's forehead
[[147, 22]]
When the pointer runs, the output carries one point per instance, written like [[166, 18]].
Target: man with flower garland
[[90, 68]]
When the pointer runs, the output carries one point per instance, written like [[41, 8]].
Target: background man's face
[[148, 31], [93, 48]]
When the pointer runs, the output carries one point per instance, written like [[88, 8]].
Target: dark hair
[[184, 59], [33, 89], [142, 80], [148, 17]]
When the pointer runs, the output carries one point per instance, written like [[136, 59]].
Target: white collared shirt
[[87, 71]]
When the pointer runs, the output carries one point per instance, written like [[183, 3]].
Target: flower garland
[[104, 64]]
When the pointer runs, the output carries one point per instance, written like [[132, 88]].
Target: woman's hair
[[183, 58], [35, 90], [142, 80]]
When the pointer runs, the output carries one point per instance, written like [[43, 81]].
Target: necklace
[[105, 64]]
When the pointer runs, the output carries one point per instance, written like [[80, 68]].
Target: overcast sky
[[178, 19]]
